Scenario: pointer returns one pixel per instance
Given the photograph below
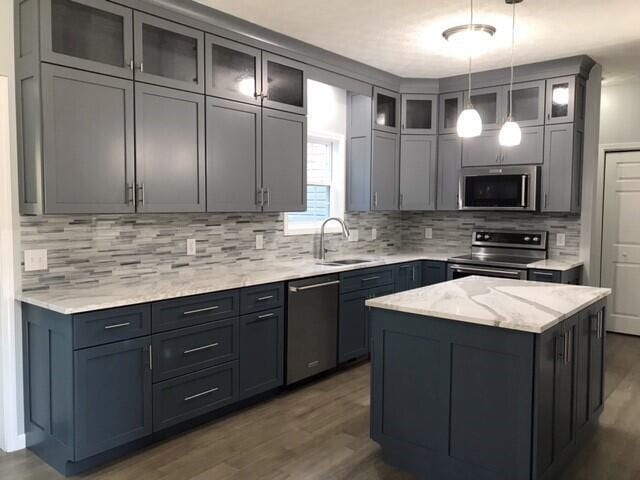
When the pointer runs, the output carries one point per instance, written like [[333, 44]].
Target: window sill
[[310, 230]]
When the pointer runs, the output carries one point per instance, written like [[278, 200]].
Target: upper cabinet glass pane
[[386, 111], [233, 71], [487, 106], [285, 84], [451, 112], [526, 103], [85, 32], [560, 100], [418, 114], [169, 54]]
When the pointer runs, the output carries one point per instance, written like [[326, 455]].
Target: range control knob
[[479, 236], [526, 239], [536, 239], [487, 236]]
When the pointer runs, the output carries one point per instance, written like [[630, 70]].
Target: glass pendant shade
[[510, 134], [469, 123]]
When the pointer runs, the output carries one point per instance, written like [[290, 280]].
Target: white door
[[621, 240]]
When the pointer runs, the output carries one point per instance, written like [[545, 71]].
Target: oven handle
[[523, 200], [510, 273]]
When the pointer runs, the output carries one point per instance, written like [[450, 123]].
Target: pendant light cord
[[470, 28], [513, 41]]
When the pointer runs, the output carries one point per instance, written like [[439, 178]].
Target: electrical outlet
[[560, 239], [353, 235], [191, 246], [259, 241], [374, 233], [35, 260], [428, 233]]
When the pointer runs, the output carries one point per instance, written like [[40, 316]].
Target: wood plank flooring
[[321, 431]]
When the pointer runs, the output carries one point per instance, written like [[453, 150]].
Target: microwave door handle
[[523, 199]]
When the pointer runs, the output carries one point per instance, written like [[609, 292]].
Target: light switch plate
[[428, 233], [259, 241], [374, 233], [191, 246], [35, 260], [560, 239], [353, 235]]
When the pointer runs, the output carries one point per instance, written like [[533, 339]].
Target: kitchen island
[[487, 378]]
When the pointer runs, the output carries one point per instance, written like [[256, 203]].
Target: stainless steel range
[[503, 254]]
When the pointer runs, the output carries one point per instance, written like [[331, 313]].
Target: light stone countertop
[[513, 304], [561, 264], [70, 300]]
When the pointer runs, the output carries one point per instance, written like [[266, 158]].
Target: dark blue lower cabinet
[[112, 395], [433, 271], [261, 352], [408, 276]]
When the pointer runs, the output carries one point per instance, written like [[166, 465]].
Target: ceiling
[[404, 36]]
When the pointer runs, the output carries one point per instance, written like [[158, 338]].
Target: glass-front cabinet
[[565, 100], [233, 70], [419, 114], [528, 103], [168, 54], [489, 104], [284, 84], [92, 35], [386, 110], [451, 105]]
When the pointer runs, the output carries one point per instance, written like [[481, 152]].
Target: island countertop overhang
[[533, 307]]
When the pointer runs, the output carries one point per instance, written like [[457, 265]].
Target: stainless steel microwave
[[499, 188]]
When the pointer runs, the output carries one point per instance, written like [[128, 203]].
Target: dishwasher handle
[[311, 287]]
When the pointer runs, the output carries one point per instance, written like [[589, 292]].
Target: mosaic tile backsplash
[[103, 249]]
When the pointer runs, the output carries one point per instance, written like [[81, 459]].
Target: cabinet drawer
[[551, 276], [185, 397], [106, 326], [368, 278], [185, 312], [190, 349], [262, 297]]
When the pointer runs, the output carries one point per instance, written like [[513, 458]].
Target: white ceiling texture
[[404, 37]]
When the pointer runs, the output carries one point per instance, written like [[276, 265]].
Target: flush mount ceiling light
[[510, 133], [469, 40]]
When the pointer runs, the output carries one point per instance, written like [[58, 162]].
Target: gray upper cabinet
[[528, 103], [358, 172], [284, 161], [170, 155], [168, 54], [529, 152], [386, 110], [451, 105], [490, 105], [385, 171], [88, 148], [284, 84], [234, 70], [449, 163], [418, 172], [482, 150], [93, 35], [234, 156], [561, 172], [419, 114], [563, 99]]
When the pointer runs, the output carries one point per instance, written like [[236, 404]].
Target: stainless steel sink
[[347, 261]]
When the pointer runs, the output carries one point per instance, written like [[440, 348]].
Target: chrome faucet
[[345, 232]]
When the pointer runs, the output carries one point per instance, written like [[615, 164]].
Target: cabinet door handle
[[117, 325], [141, 194], [266, 315], [375, 199], [199, 349], [569, 356], [368, 279], [413, 274], [200, 310], [523, 198], [130, 194], [401, 200], [201, 394], [262, 299], [543, 274], [546, 200], [268, 196], [131, 65], [141, 67], [261, 200], [150, 357]]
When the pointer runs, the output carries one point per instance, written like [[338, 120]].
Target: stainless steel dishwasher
[[312, 326]]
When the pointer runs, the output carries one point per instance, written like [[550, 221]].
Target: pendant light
[[510, 133], [469, 122]]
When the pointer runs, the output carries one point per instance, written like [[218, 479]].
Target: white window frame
[[338, 168]]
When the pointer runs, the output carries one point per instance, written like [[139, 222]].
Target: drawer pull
[[266, 315], [200, 310], [201, 394], [117, 325], [199, 349], [262, 299], [368, 279], [543, 274]]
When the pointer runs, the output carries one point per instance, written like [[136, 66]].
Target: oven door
[[500, 188], [459, 271]]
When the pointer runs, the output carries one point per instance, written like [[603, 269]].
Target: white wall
[[620, 113], [11, 414]]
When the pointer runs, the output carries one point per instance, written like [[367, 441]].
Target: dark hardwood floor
[[321, 431]]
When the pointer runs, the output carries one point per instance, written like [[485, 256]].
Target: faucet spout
[[345, 233]]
